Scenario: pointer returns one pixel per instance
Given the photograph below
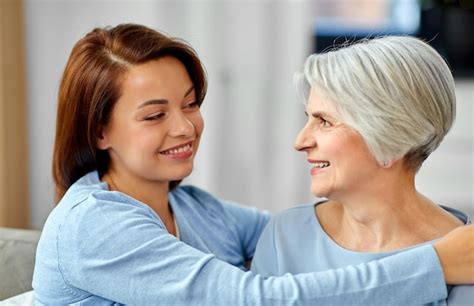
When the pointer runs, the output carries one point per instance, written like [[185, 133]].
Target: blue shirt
[[100, 247], [295, 242]]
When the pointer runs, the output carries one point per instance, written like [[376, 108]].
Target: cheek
[[198, 122], [122, 135], [334, 145], [360, 150], [341, 151], [355, 156], [142, 140]]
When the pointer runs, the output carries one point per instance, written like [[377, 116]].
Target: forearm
[[157, 268], [409, 278]]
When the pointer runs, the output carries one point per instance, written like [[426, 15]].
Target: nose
[[305, 139], [181, 126]]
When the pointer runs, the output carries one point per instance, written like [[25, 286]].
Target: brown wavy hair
[[91, 85]]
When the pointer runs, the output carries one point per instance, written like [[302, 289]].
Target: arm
[[265, 261], [456, 253], [122, 242], [248, 222]]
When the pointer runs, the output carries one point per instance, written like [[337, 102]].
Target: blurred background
[[251, 50]]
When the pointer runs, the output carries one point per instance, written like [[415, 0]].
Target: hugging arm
[[456, 253], [156, 267]]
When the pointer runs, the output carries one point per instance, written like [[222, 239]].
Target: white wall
[[250, 50], [52, 29], [447, 176]]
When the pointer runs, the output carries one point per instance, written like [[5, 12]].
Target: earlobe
[[101, 141], [387, 163]]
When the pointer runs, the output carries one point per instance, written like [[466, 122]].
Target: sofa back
[[17, 260]]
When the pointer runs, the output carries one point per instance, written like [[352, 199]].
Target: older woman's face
[[340, 161], [156, 125]]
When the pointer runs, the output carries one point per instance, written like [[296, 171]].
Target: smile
[[321, 164], [178, 150], [182, 151], [318, 166]]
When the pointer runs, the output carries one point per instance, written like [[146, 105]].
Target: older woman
[[376, 110]]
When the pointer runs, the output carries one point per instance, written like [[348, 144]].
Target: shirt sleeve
[[249, 224], [116, 251], [461, 295], [265, 261]]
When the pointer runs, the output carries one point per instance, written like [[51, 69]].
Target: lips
[[319, 163], [318, 166], [184, 148], [322, 164]]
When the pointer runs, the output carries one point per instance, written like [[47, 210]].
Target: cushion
[[17, 260], [24, 299]]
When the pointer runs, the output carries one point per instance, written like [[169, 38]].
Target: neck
[[152, 193], [385, 215]]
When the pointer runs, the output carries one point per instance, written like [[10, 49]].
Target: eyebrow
[[164, 101], [318, 114], [190, 90]]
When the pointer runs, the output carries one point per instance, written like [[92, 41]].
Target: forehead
[[318, 102], [157, 73], [165, 78]]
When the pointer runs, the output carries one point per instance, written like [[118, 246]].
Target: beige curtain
[[13, 137]]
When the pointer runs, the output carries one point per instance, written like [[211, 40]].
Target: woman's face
[[156, 125], [340, 160]]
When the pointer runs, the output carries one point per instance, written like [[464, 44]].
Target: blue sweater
[[295, 242], [100, 247]]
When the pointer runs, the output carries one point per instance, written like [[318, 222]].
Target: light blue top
[[294, 242], [99, 247]]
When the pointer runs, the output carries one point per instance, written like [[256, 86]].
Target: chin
[[182, 174], [319, 192]]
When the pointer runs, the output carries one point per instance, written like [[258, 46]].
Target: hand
[[456, 253]]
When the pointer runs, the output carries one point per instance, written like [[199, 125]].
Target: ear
[[386, 164], [391, 163], [102, 142]]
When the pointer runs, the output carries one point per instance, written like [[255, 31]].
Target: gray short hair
[[396, 91]]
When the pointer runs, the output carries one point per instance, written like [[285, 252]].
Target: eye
[[154, 117], [324, 123], [192, 105]]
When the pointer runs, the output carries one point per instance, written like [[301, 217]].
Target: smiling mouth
[[179, 150], [321, 164]]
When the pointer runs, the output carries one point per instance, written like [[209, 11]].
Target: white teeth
[[321, 165], [186, 148]]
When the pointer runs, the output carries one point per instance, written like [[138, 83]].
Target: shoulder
[[196, 200], [291, 217], [301, 209], [88, 207], [283, 241], [291, 222], [189, 192], [90, 198], [108, 206], [461, 295], [91, 222], [104, 223], [462, 216]]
